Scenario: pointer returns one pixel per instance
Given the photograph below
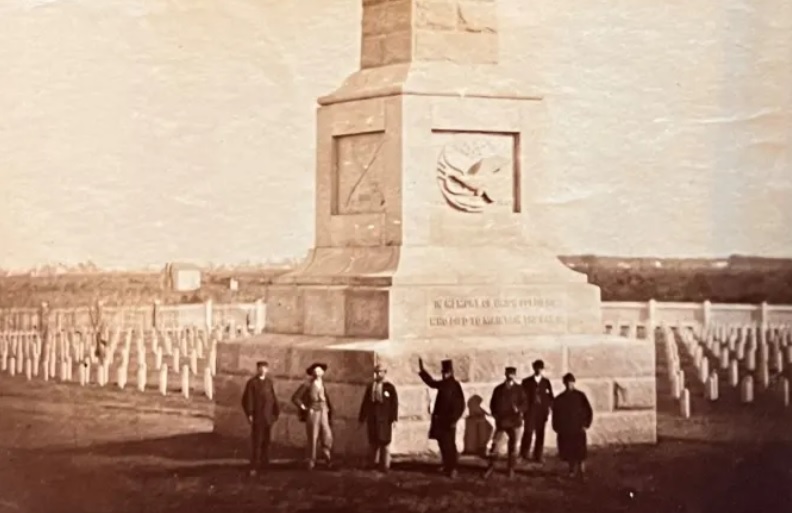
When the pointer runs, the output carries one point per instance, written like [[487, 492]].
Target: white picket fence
[[623, 318]]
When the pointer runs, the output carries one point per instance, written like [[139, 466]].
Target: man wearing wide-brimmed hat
[[379, 411], [448, 409], [316, 410]]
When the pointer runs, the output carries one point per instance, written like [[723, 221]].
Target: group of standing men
[[514, 405]]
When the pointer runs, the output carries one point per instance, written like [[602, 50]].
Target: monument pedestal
[[429, 243], [618, 374]]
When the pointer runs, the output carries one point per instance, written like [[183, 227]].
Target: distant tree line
[[736, 284], [718, 285]]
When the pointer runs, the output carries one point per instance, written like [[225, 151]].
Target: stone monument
[[429, 243]]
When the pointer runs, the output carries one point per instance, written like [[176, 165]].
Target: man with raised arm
[[448, 409]]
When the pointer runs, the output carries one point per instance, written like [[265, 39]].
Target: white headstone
[[724, 360], [185, 381], [764, 375], [684, 404], [750, 360], [712, 387], [163, 379], [208, 383], [121, 376], [747, 389], [704, 371], [734, 373]]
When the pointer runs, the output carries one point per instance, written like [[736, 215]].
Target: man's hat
[[511, 370], [313, 366], [262, 363], [538, 364], [447, 366], [568, 378]]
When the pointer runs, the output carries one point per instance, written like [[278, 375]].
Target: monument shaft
[[428, 241]]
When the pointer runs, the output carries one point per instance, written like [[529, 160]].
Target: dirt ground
[[72, 450]]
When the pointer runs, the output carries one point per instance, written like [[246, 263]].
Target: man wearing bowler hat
[[316, 410], [507, 406], [572, 416], [262, 410], [448, 409], [379, 411], [539, 393]]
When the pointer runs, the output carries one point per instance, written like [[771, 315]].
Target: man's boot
[[490, 469]]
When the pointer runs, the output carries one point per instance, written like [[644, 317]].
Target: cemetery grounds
[[71, 449]]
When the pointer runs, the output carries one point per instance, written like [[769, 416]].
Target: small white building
[[182, 277]]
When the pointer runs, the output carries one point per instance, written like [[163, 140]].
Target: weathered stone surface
[[600, 393], [324, 311], [345, 365], [397, 47], [387, 17], [284, 309], [636, 393], [489, 365], [435, 15], [367, 313], [612, 358], [458, 47], [477, 16]]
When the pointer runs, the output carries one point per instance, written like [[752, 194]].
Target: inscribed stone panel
[[358, 174]]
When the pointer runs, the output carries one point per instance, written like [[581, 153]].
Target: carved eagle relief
[[470, 175]]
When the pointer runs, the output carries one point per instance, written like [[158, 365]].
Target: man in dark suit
[[262, 410], [449, 407], [539, 393], [379, 411], [507, 406]]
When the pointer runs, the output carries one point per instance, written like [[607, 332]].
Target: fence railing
[[617, 317], [246, 316]]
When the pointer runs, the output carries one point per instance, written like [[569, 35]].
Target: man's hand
[[250, 419]]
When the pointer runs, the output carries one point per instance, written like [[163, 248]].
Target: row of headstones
[[699, 347], [80, 346], [757, 351], [24, 352]]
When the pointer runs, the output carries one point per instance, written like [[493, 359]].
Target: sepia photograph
[[395, 256]]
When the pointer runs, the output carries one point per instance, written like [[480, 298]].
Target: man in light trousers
[[316, 410]]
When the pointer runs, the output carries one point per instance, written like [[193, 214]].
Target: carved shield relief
[[475, 171]]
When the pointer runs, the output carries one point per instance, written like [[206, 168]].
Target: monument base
[[618, 374]]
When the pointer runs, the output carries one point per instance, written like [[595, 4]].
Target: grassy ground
[[72, 450]]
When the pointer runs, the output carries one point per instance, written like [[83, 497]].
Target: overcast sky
[[134, 132]]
